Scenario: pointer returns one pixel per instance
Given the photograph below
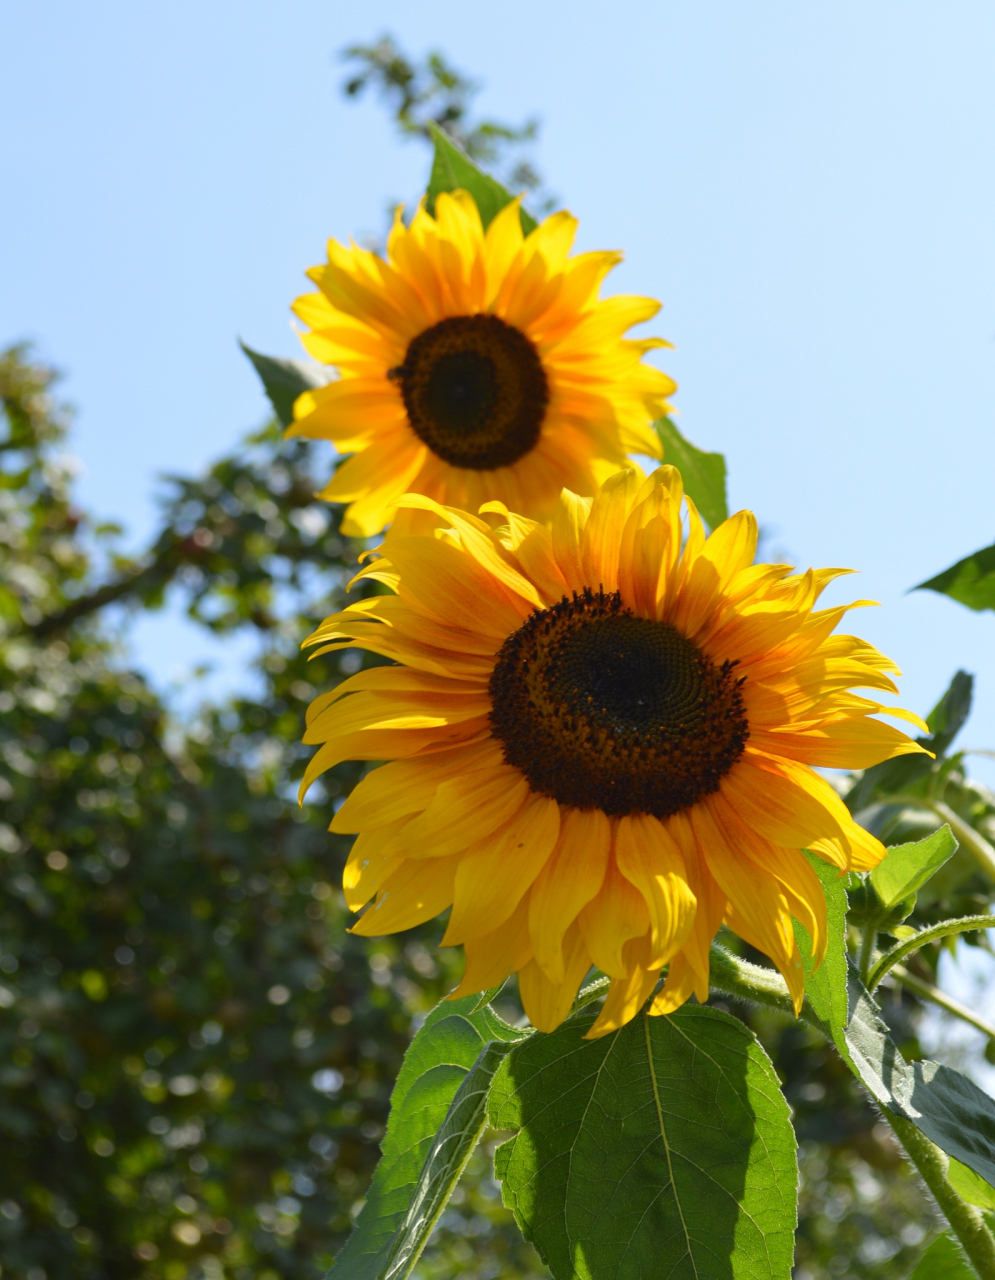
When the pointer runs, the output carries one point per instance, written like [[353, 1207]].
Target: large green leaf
[[452, 169], [437, 1111], [284, 380], [907, 867], [944, 1104], [664, 1149], [970, 581], [826, 987], [704, 474], [944, 1260]]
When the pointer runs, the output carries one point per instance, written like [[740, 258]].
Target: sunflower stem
[[735, 977], [941, 998], [945, 929], [966, 1222], [866, 956], [972, 840], [593, 991]]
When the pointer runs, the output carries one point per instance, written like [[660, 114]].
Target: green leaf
[[284, 380], [944, 1104], [664, 1149], [453, 169], [966, 1183], [888, 779], [970, 581], [943, 1260], [437, 1111], [907, 773], [826, 987], [907, 867], [949, 715], [704, 474]]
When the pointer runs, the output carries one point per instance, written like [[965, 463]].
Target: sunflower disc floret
[[475, 365], [602, 737]]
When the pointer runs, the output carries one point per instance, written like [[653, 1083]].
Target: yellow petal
[[650, 860], [618, 913], [678, 988], [414, 892], [626, 996], [404, 787], [466, 809], [494, 875], [548, 1003], [567, 883], [369, 864], [568, 527], [493, 958]]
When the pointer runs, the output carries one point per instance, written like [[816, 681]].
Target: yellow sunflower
[[475, 365], [601, 744]]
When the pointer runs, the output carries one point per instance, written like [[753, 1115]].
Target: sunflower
[[475, 365], [601, 744]]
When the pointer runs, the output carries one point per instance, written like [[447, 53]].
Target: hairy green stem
[[945, 929], [736, 977], [966, 1222], [943, 1000], [973, 841], [593, 991], [866, 955]]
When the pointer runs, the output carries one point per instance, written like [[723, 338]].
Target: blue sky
[[810, 189]]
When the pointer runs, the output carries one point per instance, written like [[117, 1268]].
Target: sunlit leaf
[[907, 867], [944, 1260], [826, 987], [970, 581], [974, 1189], [284, 380], [436, 1116], [664, 1149], [704, 474], [453, 169]]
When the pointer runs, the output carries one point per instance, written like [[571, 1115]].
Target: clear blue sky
[[810, 189]]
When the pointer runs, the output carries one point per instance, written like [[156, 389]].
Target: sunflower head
[[602, 736], [475, 365]]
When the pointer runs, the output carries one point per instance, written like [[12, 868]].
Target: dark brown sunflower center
[[603, 709], [475, 391]]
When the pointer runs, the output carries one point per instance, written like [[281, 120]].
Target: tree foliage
[[196, 1057], [434, 92]]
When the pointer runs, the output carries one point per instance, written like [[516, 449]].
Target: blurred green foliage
[[433, 92], [195, 1057]]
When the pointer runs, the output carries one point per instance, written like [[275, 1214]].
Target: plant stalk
[[966, 1222], [941, 998], [866, 955], [735, 977], [945, 929]]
